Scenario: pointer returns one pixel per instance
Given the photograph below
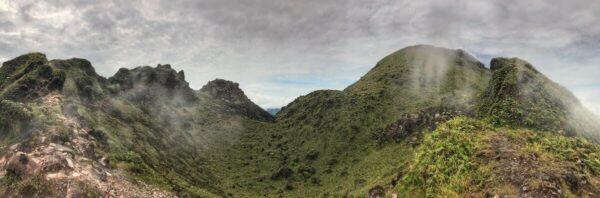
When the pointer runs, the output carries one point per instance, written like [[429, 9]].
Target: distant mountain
[[273, 111], [231, 95], [424, 122]]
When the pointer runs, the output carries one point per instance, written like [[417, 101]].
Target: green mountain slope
[[424, 122], [369, 137], [77, 132], [519, 95]]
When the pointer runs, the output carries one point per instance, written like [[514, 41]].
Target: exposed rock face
[[233, 96], [424, 120], [226, 90]]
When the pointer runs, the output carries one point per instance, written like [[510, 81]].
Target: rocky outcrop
[[147, 84], [81, 79], [519, 95], [231, 94], [225, 90], [28, 77], [76, 132], [424, 120]]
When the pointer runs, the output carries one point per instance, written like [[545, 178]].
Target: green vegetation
[[424, 122], [446, 162], [465, 156], [519, 95], [36, 186], [14, 117]]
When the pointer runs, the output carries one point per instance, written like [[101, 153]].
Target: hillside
[[326, 133], [373, 136], [67, 130], [519, 95], [424, 122]]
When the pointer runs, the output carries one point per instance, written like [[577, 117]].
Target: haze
[[280, 50]]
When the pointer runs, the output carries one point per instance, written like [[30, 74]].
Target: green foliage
[[14, 117], [282, 173], [64, 134], [465, 156], [99, 135], [85, 87], [10, 179], [135, 164], [16, 68], [446, 160], [203, 144], [519, 95], [28, 77], [567, 148], [37, 186]]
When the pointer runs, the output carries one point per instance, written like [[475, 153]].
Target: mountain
[[424, 122], [232, 96], [273, 111], [67, 130], [521, 96], [376, 136]]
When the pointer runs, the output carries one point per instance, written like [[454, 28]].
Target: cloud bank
[[278, 50]]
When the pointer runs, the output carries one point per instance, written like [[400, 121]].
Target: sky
[[280, 49]]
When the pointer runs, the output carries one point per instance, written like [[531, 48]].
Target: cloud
[[332, 41]]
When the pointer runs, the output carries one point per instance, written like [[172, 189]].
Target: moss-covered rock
[[29, 77], [519, 95]]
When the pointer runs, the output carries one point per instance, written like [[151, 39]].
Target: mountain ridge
[[425, 121]]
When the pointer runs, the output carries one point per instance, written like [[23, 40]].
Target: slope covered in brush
[[418, 80], [466, 157], [412, 126], [27, 77], [424, 122], [326, 139], [519, 95], [69, 131], [424, 76]]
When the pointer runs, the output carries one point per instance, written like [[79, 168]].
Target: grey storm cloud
[[330, 43]]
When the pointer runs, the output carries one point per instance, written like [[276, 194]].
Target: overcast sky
[[278, 50]]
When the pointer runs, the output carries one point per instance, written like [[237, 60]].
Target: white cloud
[[589, 96], [5, 6], [249, 41]]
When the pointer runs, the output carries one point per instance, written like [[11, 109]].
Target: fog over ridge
[[329, 43]]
